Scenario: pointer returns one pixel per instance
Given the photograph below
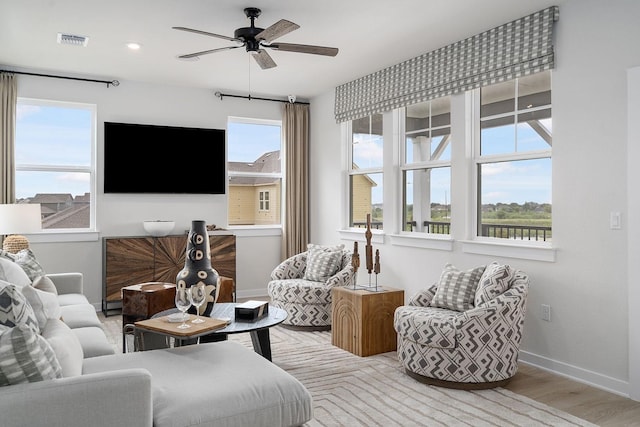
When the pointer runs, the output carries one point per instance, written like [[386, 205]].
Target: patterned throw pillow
[[15, 310], [495, 280], [26, 357], [27, 260], [457, 289], [322, 262]]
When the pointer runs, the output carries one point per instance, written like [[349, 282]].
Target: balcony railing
[[522, 232], [377, 225], [502, 231]]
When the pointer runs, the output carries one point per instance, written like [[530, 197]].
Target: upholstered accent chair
[[301, 284], [461, 334]]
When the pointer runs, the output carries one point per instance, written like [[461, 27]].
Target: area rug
[[349, 390]]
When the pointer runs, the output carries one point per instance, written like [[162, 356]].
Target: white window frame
[[354, 172], [418, 166], [264, 200], [68, 234]]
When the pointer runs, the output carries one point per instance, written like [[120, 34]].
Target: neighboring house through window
[[255, 172], [365, 173], [55, 161]]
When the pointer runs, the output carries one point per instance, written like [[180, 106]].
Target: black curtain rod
[[291, 100], [107, 82]]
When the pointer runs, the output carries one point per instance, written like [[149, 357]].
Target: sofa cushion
[[494, 281], [65, 345], [13, 273], [72, 299], [26, 357], [457, 289], [247, 389], [45, 305], [27, 260], [93, 341], [80, 316], [15, 310], [45, 284], [322, 262]]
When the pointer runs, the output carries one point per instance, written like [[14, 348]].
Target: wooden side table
[[362, 321]]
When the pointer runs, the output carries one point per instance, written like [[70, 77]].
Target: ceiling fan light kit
[[255, 40]]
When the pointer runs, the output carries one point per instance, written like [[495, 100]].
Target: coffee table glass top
[[226, 310]]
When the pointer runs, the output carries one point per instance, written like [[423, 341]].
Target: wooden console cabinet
[[362, 321], [132, 260]]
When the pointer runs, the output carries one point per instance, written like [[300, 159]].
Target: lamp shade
[[20, 218]]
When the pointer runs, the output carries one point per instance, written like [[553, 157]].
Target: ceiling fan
[[255, 39]]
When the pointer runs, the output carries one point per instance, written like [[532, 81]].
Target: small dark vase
[[197, 267]]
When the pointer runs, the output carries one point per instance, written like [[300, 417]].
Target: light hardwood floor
[[589, 403]]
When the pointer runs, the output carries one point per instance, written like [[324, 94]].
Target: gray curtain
[[8, 99], [515, 49], [295, 223]]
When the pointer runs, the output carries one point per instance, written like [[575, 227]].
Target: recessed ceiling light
[[134, 45]]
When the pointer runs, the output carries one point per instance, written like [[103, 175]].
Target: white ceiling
[[371, 35]]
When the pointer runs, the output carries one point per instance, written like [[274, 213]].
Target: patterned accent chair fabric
[[472, 349], [307, 302]]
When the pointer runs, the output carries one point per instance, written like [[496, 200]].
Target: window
[[55, 161], [365, 172], [255, 171], [426, 167], [513, 158], [264, 200]]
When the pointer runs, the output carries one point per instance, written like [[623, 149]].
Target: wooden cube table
[[142, 301], [362, 321]]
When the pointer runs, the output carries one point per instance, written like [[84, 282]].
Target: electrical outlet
[[546, 312]]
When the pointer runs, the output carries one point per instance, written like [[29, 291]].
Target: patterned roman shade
[[515, 49]]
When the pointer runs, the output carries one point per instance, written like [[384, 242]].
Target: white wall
[[122, 215], [587, 284]]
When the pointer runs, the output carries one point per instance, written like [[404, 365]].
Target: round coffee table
[[259, 330]]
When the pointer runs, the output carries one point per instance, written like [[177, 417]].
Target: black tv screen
[[140, 158]]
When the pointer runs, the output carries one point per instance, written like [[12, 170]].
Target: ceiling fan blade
[[305, 48], [206, 52], [204, 33], [276, 30], [263, 59]]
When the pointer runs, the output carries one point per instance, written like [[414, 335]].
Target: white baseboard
[[251, 293], [575, 373]]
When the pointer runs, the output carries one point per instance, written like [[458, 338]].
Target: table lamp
[[17, 219]]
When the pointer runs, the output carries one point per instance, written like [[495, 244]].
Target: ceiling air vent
[[72, 39]]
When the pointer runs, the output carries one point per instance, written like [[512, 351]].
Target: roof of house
[[73, 217]]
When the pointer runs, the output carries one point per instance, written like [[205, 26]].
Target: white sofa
[[215, 384]]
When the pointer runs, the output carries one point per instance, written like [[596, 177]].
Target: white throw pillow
[[66, 346], [13, 273], [26, 357], [45, 284], [45, 304]]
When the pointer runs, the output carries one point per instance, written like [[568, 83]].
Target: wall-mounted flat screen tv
[[141, 158]]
